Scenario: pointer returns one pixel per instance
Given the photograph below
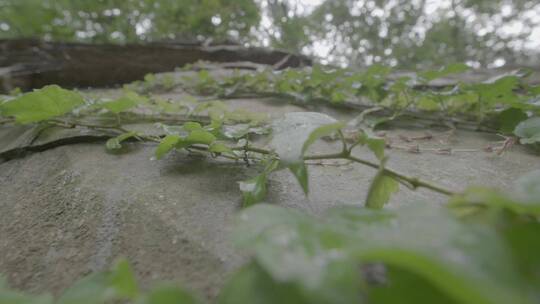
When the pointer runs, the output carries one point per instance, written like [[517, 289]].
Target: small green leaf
[[169, 294], [48, 102], [129, 100], [427, 104], [123, 280], [445, 71], [115, 142], [529, 131], [166, 145], [465, 262], [299, 170], [320, 132], [381, 189], [191, 126], [292, 134], [198, 136], [251, 284], [374, 143], [253, 190], [98, 288], [219, 148]]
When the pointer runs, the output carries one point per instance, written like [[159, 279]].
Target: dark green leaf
[[299, 170], [508, 119]]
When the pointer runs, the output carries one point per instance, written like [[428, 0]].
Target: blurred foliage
[[404, 33], [126, 20]]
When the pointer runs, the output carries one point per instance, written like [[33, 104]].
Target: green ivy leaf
[[115, 142], [13, 297], [197, 136], [427, 104], [445, 71], [294, 133], [166, 145], [192, 126], [524, 199], [465, 262], [124, 103], [169, 294], [123, 280], [508, 119], [299, 171], [100, 288], [251, 284], [219, 148], [374, 143], [319, 132], [529, 131], [48, 102], [497, 90], [381, 189], [253, 190]]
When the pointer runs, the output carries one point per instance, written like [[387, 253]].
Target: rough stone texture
[[74, 209]]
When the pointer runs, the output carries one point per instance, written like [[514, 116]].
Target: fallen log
[[27, 63]]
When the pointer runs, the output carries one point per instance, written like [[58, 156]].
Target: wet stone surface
[[74, 209]]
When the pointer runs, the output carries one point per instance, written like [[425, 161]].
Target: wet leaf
[[253, 190]]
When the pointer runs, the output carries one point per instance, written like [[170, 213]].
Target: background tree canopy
[[402, 33]]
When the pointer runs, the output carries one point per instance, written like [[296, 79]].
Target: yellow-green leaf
[[166, 145], [48, 102]]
